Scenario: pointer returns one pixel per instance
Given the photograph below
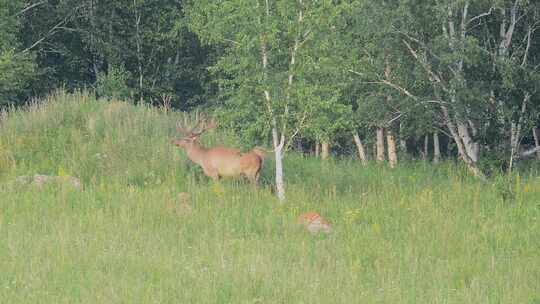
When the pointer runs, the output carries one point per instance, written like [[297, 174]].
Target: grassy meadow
[[416, 234]]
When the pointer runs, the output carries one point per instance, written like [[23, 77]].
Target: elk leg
[[254, 177], [257, 176]]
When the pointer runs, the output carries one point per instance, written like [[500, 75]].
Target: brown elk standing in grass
[[218, 161]]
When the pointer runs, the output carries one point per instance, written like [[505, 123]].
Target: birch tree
[[265, 66], [516, 24], [378, 62], [442, 43]]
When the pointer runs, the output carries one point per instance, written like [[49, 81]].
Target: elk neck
[[196, 152]]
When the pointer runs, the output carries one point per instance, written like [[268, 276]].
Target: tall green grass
[[416, 234]]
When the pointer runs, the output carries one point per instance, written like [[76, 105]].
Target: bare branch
[[51, 32], [398, 88], [298, 129], [529, 152], [529, 34], [305, 38], [421, 43], [433, 77], [59, 26], [231, 41], [480, 16], [464, 17], [31, 6], [281, 143], [394, 119], [395, 86]]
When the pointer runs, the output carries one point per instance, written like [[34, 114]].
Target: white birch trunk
[[471, 148], [392, 151], [139, 49], [515, 132], [360, 147], [325, 150], [278, 153], [536, 142], [95, 65], [471, 165], [380, 145], [458, 129], [278, 142], [402, 141], [403, 145], [436, 148], [425, 151]]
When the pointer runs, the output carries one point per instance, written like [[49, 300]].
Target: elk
[[219, 161]]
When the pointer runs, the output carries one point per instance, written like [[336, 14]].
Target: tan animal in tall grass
[[314, 223], [218, 161]]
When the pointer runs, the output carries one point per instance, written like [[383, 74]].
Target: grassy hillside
[[417, 234]]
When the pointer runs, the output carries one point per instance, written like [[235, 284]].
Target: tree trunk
[[515, 132], [536, 142], [475, 144], [425, 151], [380, 145], [436, 148], [278, 152], [514, 144], [392, 152], [469, 162], [402, 141], [360, 147], [317, 149], [467, 149], [279, 142], [325, 150], [471, 148], [138, 41], [96, 65], [403, 145]]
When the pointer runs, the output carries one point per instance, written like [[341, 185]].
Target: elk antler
[[183, 127], [201, 125]]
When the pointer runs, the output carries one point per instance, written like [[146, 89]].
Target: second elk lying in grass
[[218, 161]]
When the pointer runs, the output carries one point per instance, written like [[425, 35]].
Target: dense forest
[[380, 79]]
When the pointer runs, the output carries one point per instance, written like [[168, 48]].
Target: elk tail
[[260, 152]]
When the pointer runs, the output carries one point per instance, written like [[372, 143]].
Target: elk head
[[191, 134]]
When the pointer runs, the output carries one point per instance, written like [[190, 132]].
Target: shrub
[[113, 83]]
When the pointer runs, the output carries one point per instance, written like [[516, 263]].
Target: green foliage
[[113, 84], [17, 68], [78, 41], [302, 94]]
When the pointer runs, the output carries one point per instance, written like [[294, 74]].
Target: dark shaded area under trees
[[125, 49]]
